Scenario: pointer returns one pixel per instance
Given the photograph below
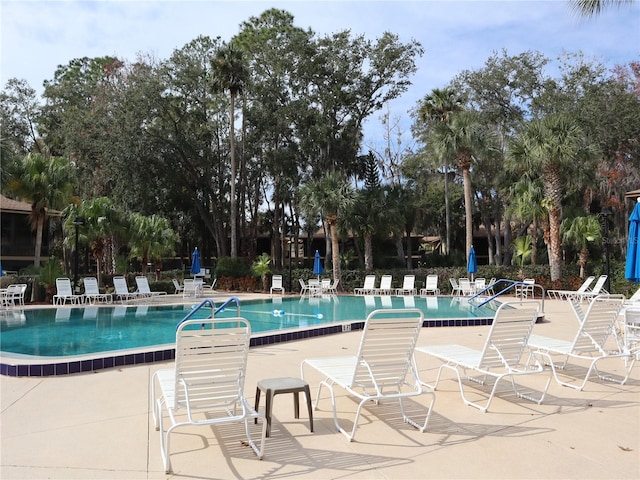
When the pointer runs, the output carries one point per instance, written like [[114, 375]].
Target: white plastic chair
[[190, 288], [368, 287], [92, 292], [122, 290], [505, 353], [526, 288], [304, 288], [14, 295], [431, 286], [209, 374], [64, 292], [566, 294], [408, 286], [276, 284], [144, 290], [179, 288], [631, 343], [381, 370], [385, 286], [455, 287], [598, 289], [588, 345], [466, 288]]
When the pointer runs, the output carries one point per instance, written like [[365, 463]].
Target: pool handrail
[[226, 303], [211, 304], [511, 284]]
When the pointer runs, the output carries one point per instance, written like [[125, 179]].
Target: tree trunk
[[38, 249], [447, 214], [468, 211], [497, 234], [534, 242], [553, 191], [368, 252], [232, 194], [335, 250]]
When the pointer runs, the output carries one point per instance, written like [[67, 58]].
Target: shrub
[[232, 267]]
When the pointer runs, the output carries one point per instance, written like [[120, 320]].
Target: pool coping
[[20, 365]]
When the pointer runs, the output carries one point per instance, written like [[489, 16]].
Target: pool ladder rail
[[207, 302], [511, 284]]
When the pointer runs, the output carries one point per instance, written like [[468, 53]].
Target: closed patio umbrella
[[632, 265], [317, 265], [472, 266], [195, 262]]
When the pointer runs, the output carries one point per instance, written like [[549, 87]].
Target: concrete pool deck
[[99, 425]]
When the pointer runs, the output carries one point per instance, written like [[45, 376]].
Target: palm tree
[[46, 182], [230, 74], [103, 223], [522, 251], [151, 238], [551, 147], [579, 232], [438, 106], [590, 8], [461, 137], [332, 197], [262, 268], [366, 216], [526, 205]]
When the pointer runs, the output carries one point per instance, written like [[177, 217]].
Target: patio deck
[[99, 425]]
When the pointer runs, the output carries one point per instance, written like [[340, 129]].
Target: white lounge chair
[[332, 289], [588, 344], [381, 370], [179, 288], [598, 289], [92, 292], [491, 287], [122, 290], [211, 287], [430, 286], [385, 286], [505, 353], [64, 292], [566, 294], [276, 284], [144, 290], [634, 300], [631, 343], [208, 379], [455, 287], [368, 287], [408, 286], [304, 288]]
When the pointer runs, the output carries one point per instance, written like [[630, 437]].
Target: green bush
[[232, 267]]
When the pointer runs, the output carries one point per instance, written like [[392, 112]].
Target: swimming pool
[[40, 340]]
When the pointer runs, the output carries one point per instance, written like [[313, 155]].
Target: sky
[[38, 36]]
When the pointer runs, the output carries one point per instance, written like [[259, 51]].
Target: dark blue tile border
[[100, 363]]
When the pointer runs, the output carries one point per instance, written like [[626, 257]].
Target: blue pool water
[[76, 331]]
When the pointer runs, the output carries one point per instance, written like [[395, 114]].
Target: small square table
[[273, 386]]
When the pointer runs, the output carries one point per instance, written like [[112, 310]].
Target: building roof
[[9, 205], [15, 206]]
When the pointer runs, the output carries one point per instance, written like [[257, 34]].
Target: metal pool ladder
[[207, 302]]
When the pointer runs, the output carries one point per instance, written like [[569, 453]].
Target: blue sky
[[37, 36]]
